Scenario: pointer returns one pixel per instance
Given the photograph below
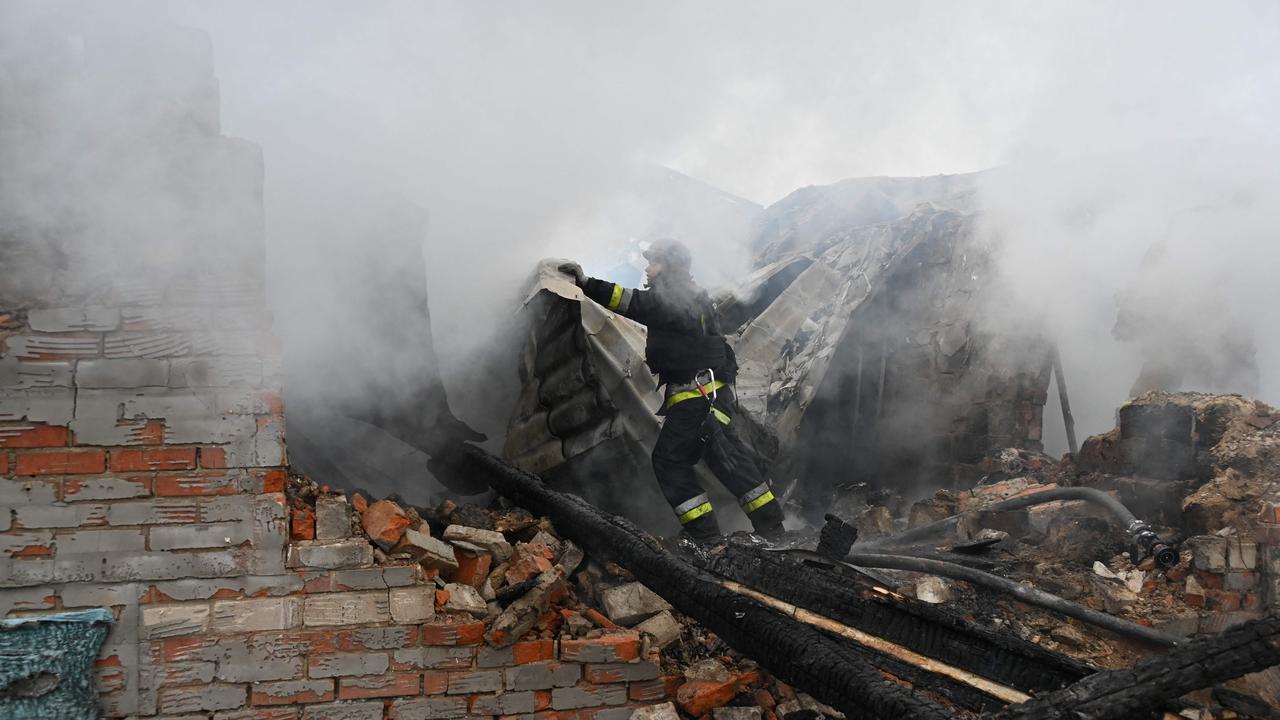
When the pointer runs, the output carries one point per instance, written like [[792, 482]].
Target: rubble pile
[[526, 595], [1203, 469]]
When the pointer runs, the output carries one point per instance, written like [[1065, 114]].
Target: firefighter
[[696, 368]]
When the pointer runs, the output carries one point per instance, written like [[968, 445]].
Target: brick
[[4, 463], [621, 672], [255, 615], [385, 522], [60, 462], [376, 578], [122, 373], [631, 603], [1242, 554], [474, 681], [442, 708], [491, 540], [488, 657], [607, 648], [153, 512], [473, 568], [542, 676], [654, 690], [412, 604], [74, 319], [571, 698], [105, 488], [452, 633], [303, 525], [34, 436], [433, 658], [323, 666], [187, 673], [390, 685], [164, 621], [531, 651], [149, 459], [196, 698], [698, 697], [212, 457], [371, 710], [292, 692], [358, 608], [51, 405], [260, 713], [206, 484], [465, 599], [379, 638], [27, 545], [17, 375], [505, 704]]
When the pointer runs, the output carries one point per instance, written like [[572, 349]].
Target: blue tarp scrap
[[46, 665]]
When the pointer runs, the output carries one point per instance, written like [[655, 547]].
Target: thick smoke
[[517, 128]]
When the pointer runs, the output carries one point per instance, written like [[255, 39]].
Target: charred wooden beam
[[1134, 693], [813, 661]]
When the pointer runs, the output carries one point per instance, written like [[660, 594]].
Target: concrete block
[[163, 621], [51, 405], [433, 554], [126, 373], [434, 658], [255, 615], [1242, 554], [605, 673], [437, 708], [662, 627], [154, 512], [199, 698], [27, 492], [356, 552], [347, 664], [505, 703], [474, 681], [464, 598], [1208, 552], [200, 535], [490, 540], [368, 710], [103, 488], [45, 347], [413, 604], [60, 515], [542, 676], [333, 518], [665, 711], [571, 698], [631, 603], [16, 375], [74, 319], [97, 542], [355, 608], [216, 372]]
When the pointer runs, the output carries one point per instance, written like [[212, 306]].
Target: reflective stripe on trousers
[[693, 508], [756, 498]]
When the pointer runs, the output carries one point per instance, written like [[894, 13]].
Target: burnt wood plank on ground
[[933, 631]]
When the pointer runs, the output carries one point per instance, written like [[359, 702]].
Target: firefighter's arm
[[622, 300]]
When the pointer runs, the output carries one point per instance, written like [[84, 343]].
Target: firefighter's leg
[[733, 463], [677, 450]]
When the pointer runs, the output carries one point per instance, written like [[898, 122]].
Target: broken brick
[[385, 522]]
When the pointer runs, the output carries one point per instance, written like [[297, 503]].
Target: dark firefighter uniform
[[684, 343]]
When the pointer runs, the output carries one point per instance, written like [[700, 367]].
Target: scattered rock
[[710, 669], [490, 540], [933, 590], [665, 711], [433, 554], [663, 628], [464, 598]]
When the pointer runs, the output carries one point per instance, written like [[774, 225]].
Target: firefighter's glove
[[575, 270]]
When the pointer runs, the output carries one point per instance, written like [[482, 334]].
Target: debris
[[491, 540], [664, 711], [464, 598], [333, 518], [663, 628], [933, 590], [631, 603], [386, 523]]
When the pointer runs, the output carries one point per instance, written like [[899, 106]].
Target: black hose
[[1024, 593], [1144, 539]]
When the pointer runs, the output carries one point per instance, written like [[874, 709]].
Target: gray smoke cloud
[[1114, 128]]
